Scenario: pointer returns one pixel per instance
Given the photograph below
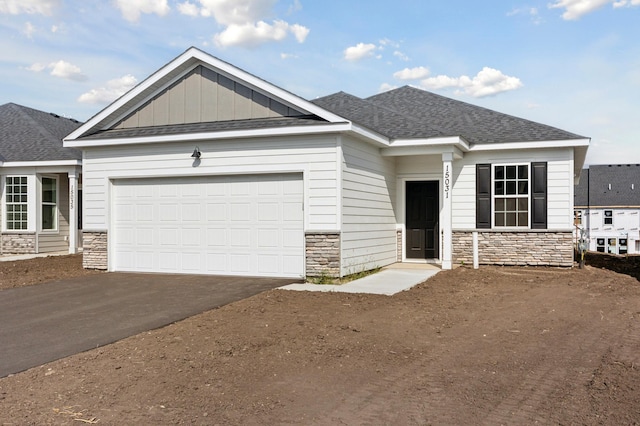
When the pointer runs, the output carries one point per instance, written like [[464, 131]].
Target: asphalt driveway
[[45, 322]]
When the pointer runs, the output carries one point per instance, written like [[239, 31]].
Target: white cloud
[[288, 56], [16, 7], [251, 35], [487, 82], [113, 90], [359, 51], [575, 9], [188, 8], [131, 9], [66, 70], [62, 69], [400, 55], [238, 12], [37, 67], [385, 87], [29, 29], [412, 73]]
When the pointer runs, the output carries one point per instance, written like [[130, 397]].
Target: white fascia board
[[232, 134], [569, 143], [400, 147], [57, 163], [370, 135]]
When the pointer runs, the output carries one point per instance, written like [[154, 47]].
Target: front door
[[422, 220]]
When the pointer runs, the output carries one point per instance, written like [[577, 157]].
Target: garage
[[248, 225]]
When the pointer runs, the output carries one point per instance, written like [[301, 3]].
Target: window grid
[[511, 195], [16, 202]]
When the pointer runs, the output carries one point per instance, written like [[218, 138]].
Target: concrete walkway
[[390, 280], [13, 257]]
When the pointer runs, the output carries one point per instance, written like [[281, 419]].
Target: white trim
[[55, 163], [231, 134], [531, 145], [448, 140], [55, 229]]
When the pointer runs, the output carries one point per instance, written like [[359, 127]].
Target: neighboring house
[[607, 207], [205, 168], [39, 181]]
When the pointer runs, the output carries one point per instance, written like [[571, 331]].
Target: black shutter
[[483, 196], [538, 195]]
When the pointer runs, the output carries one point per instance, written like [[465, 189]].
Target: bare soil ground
[[490, 346]]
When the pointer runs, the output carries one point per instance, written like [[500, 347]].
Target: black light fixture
[[196, 153]]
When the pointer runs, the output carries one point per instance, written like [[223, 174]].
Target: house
[[39, 182], [206, 168], [607, 208]]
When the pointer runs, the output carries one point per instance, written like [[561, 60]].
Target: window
[[600, 245], [49, 203], [16, 202], [608, 217], [511, 195], [577, 217]]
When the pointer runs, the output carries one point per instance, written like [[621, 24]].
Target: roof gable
[[226, 93], [27, 134]]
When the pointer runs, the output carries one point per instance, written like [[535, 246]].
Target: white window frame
[[605, 217], [6, 204], [505, 196], [55, 204]]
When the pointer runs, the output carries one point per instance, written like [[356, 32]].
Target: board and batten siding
[[314, 156], [197, 97], [52, 241], [368, 219], [559, 184]]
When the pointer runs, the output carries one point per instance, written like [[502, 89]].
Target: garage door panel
[[239, 225]]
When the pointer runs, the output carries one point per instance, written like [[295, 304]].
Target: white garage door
[[239, 225]]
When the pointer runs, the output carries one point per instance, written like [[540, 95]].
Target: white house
[[607, 207], [205, 168], [39, 182]]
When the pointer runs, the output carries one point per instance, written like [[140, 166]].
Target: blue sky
[[573, 64]]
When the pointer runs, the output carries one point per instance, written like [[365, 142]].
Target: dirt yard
[[489, 346]]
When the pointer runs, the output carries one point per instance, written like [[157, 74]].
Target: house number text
[[447, 177]]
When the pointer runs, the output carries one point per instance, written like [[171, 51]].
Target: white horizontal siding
[[559, 184], [368, 216], [315, 157]]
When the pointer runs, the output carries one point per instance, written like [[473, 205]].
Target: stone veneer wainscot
[[532, 248], [18, 243]]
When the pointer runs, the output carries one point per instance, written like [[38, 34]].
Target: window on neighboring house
[[49, 203], [577, 217], [16, 202], [608, 217], [600, 246], [511, 195]]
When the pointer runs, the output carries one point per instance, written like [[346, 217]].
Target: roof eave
[[229, 134]]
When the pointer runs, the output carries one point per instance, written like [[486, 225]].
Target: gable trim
[[177, 68]]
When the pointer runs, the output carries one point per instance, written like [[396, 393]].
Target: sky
[[571, 64]]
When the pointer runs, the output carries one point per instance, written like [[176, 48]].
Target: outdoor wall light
[[196, 153]]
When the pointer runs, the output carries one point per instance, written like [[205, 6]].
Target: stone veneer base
[[322, 252], [521, 248], [94, 250]]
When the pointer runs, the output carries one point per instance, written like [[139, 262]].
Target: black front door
[[422, 220]]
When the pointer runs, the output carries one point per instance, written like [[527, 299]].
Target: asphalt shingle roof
[[408, 112], [27, 134], [593, 189]]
